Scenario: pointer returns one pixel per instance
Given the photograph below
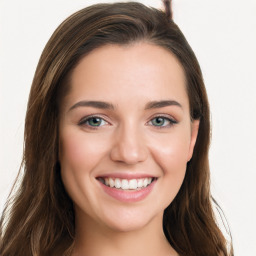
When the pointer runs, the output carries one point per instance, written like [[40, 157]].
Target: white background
[[223, 36]]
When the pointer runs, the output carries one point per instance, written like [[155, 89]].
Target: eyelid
[[170, 118], [86, 118]]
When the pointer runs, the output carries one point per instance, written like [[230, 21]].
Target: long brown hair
[[39, 217]]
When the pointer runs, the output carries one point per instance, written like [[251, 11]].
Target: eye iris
[[95, 121], [158, 121]]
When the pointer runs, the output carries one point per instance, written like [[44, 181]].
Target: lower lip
[[128, 196]]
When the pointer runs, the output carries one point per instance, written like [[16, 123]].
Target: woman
[[116, 143]]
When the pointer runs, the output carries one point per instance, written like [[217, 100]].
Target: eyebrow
[[162, 103], [94, 104], [106, 105]]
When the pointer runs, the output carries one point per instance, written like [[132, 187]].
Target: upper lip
[[128, 176]]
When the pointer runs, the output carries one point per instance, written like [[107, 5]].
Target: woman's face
[[125, 135]]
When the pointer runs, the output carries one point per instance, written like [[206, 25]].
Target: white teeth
[[118, 183], [111, 182], [127, 184], [145, 182], [140, 183], [133, 184]]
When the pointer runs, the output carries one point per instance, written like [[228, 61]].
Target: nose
[[129, 146]]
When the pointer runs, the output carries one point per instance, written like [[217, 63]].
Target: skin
[[127, 140]]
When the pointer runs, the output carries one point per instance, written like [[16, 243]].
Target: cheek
[[170, 153], [80, 151], [79, 156], [172, 159], [171, 150]]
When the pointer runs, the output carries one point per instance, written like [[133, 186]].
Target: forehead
[[135, 73]]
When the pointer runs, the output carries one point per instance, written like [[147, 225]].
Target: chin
[[132, 225], [127, 221]]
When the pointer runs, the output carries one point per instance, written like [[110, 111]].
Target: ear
[[194, 132]]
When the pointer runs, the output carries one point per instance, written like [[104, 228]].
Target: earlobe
[[194, 132]]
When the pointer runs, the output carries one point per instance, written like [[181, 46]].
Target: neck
[[98, 240]]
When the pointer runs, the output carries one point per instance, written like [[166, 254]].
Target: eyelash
[[84, 121], [170, 121]]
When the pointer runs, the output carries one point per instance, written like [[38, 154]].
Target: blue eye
[[93, 121], [161, 121]]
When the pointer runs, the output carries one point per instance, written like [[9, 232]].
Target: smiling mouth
[[125, 184]]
